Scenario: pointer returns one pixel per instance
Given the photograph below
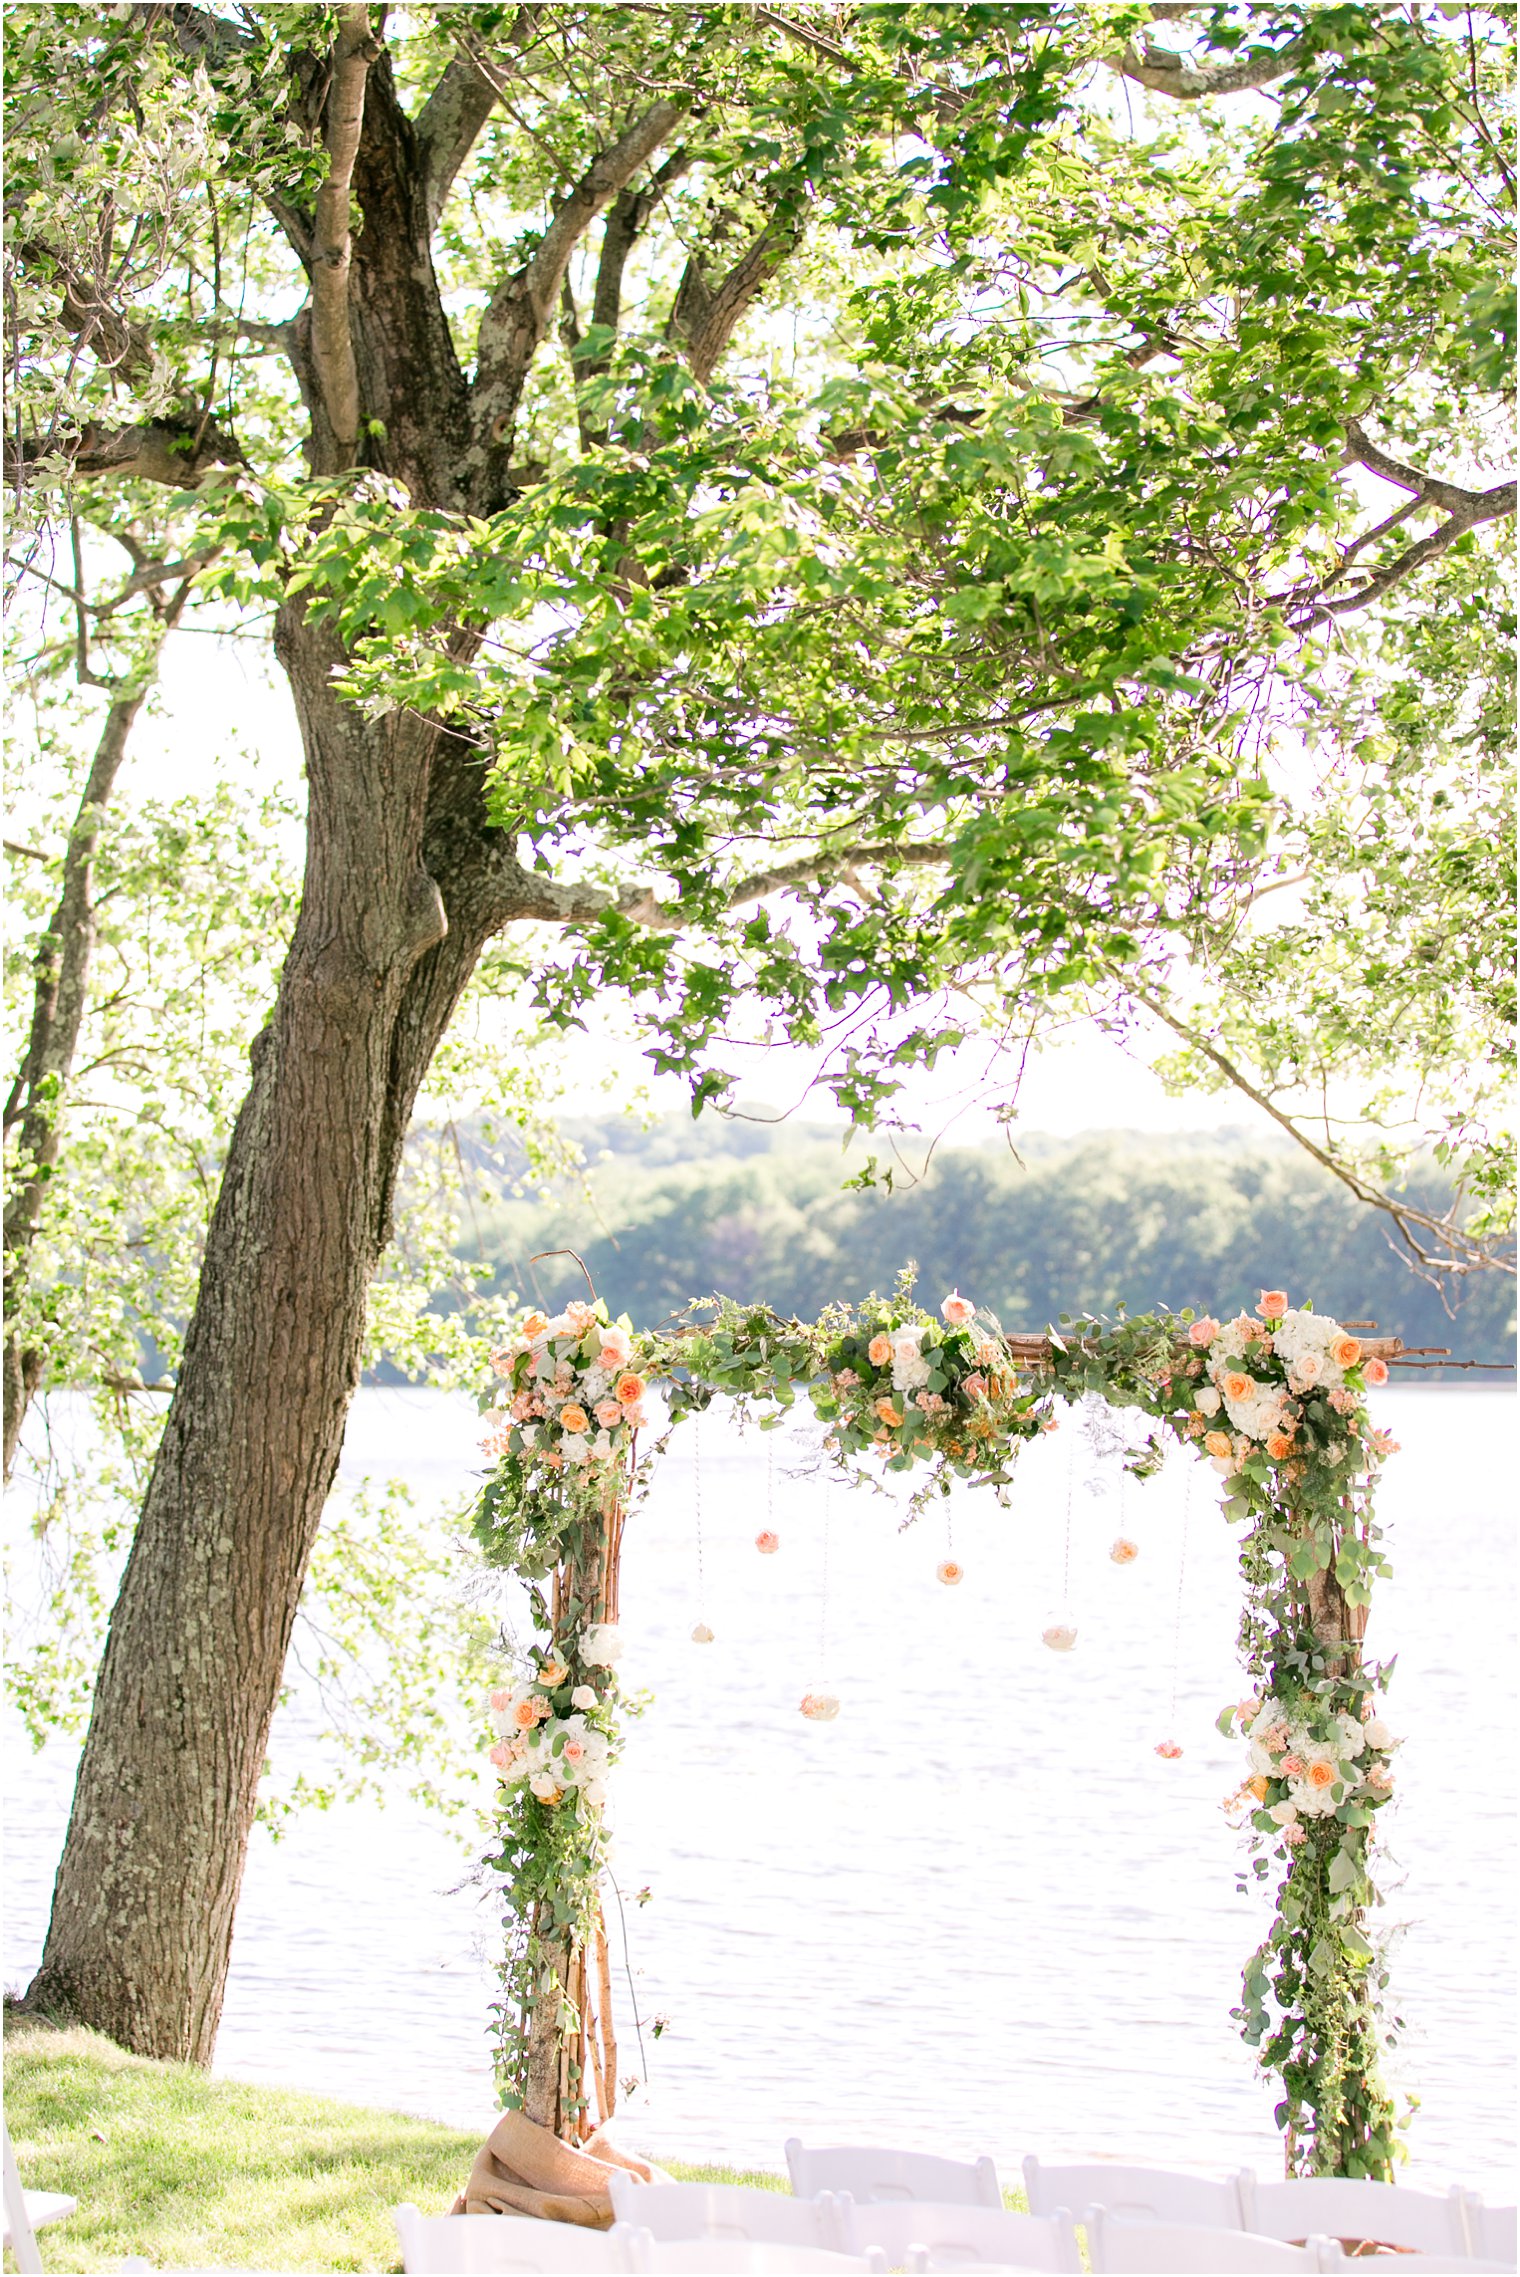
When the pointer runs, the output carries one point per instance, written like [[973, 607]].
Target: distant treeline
[[682, 1210]]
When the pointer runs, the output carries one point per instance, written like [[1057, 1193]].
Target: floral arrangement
[[1276, 1400], [576, 1397]]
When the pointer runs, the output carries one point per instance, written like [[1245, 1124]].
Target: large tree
[[919, 461]]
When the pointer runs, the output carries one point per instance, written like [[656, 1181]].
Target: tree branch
[[545, 901], [1464, 509], [332, 346], [450, 121], [1467, 1255], [172, 451], [522, 308], [1165, 72], [704, 318]]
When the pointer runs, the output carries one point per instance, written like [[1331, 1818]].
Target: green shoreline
[[191, 2171]]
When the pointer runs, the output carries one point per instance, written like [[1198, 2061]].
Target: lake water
[[975, 1913]]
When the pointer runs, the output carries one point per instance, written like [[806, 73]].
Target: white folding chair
[[27, 2211], [701, 2209], [1142, 2248], [1136, 2193], [743, 2257], [1373, 2212], [933, 2237], [874, 2177], [1490, 2229], [504, 2245]]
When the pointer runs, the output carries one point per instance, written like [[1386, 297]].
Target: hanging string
[[823, 1603], [1187, 1504], [948, 1570], [701, 1634], [1169, 1748], [1061, 1634]]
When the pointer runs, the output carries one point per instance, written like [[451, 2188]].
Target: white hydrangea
[[601, 1645]]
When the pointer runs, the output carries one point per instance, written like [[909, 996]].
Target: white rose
[[1377, 1734], [583, 1697], [602, 1644], [1284, 1813], [1207, 1400], [544, 1785]]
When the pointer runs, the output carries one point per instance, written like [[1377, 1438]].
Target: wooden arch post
[[572, 2039]]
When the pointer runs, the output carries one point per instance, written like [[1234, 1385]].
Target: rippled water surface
[[977, 1910]]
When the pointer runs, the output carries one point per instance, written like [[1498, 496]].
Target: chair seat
[[44, 2206]]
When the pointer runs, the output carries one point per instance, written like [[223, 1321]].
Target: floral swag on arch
[[1276, 1402]]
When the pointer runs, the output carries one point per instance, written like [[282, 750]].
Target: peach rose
[[500, 1702], [879, 1351], [1124, 1551], [573, 1418], [503, 1755], [527, 1713], [1345, 1351], [1321, 1774], [767, 1544], [1237, 1384], [1203, 1332], [1272, 1303], [948, 1572], [1374, 1371], [1279, 1445], [616, 1351], [957, 1310], [1292, 1767], [608, 1414], [1218, 1444], [630, 1388], [888, 1413]]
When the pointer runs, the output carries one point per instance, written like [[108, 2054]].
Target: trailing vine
[[1277, 1403]]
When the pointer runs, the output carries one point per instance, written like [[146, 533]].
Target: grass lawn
[[193, 2172]]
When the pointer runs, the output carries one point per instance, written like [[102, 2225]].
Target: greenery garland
[[1277, 1402]]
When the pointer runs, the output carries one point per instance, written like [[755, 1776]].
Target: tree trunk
[[143, 1907]]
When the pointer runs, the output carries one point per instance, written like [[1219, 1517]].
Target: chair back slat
[[1135, 2193], [1372, 2212], [1140, 2248], [743, 2257], [726, 2210], [505, 2245], [875, 2176], [962, 2237]]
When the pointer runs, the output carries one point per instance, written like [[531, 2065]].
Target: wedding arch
[[1276, 1401]]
